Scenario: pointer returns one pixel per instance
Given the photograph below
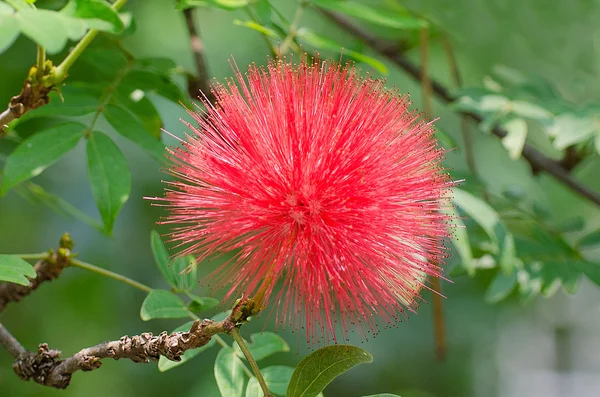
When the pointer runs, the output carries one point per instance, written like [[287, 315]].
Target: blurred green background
[[547, 348]]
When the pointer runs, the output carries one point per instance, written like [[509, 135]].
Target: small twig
[[45, 368], [235, 334], [438, 319], [200, 82], [47, 269], [289, 39], [109, 274], [536, 159]]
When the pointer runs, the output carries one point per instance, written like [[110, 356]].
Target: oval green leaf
[[277, 378], [502, 285], [109, 177], [229, 373], [38, 152], [263, 345], [15, 270], [319, 368], [164, 364], [202, 303], [132, 128], [162, 304]]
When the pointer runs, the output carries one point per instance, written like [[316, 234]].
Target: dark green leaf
[[98, 14], [277, 378], [263, 9], [229, 373], [319, 368], [162, 304], [502, 285], [390, 19], [590, 240], [574, 224], [164, 364], [72, 101], [383, 395], [142, 108], [109, 177], [128, 125], [38, 152], [15, 270], [263, 345], [591, 270], [152, 82]]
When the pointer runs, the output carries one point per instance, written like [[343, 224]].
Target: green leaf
[[590, 240], [389, 19], [383, 395], [57, 204], [98, 14], [142, 108], [224, 4], [263, 345], [263, 9], [202, 303], [38, 152], [530, 111], [161, 257], [478, 210], [277, 378], [258, 27], [569, 129], [591, 270], [164, 364], [502, 285], [324, 43], [229, 373], [515, 138], [128, 125], [109, 177], [319, 368], [162, 304], [9, 27], [15, 270], [49, 29], [72, 101], [153, 82], [460, 240]]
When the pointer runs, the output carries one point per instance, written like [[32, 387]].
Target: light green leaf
[[478, 210], [9, 27], [164, 364], [224, 4], [319, 368], [530, 111], [229, 373], [390, 19], [324, 43], [569, 129], [162, 304], [128, 125], [263, 345], [38, 152], [590, 240], [460, 240], [597, 141], [277, 378], [109, 177], [258, 27], [515, 139], [501, 286], [48, 28], [98, 14], [15, 270]]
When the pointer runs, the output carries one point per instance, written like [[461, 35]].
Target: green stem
[[235, 333], [62, 70], [109, 274], [40, 62], [32, 257], [289, 40]]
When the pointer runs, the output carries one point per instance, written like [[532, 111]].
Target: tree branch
[[537, 160], [199, 83], [47, 269], [45, 368]]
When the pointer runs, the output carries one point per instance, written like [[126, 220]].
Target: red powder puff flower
[[320, 179]]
